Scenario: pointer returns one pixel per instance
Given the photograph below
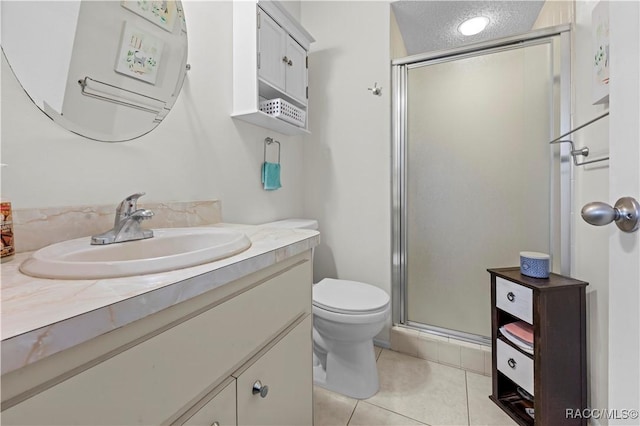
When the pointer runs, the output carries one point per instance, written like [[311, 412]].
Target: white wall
[[397, 47], [554, 12], [348, 153], [197, 153]]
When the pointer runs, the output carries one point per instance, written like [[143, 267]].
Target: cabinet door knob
[[215, 424], [511, 296], [287, 61], [258, 387], [512, 363]]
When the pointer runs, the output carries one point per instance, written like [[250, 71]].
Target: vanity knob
[[258, 387], [512, 363], [511, 296]]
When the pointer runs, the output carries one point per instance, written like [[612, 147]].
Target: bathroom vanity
[[225, 343]]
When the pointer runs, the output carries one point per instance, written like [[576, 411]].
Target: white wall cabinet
[[192, 362], [269, 61]]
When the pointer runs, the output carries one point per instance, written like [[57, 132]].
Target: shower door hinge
[[306, 59], [258, 20], [307, 92]]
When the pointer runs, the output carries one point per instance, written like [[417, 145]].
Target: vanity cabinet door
[[219, 411], [286, 370], [272, 45]]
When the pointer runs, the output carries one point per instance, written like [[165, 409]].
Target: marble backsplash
[[37, 228]]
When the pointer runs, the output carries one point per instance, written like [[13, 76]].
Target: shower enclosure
[[475, 180]]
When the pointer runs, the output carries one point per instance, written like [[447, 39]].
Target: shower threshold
[[447, 333]]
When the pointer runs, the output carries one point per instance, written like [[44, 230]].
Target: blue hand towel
[[271, 176]]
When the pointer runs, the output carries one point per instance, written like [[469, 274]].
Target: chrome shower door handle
[[625, 213]]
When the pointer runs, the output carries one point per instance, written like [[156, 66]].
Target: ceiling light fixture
[[474, 25]]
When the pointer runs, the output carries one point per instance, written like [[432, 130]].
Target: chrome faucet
[[127, 223]]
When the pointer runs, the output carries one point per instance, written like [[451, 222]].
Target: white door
[[624, 180], [296, 78], [272, 43]]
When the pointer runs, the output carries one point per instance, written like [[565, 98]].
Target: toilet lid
[[353, 297]]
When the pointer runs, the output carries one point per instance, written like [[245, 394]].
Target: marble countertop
[[41, 317]]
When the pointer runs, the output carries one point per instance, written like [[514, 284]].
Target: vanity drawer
[[220, 410], [285, 370], [515, 299], [515, 365], [155, 379]]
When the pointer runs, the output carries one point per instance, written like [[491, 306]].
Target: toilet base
[[350, 369]]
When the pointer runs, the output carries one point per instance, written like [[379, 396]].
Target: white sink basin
[[171, 248]]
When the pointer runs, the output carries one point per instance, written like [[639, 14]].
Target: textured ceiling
[[428, 25]]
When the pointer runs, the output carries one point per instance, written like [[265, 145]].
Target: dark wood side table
[[553, 379]]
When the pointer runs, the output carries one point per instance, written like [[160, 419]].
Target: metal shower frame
[[399, 74]]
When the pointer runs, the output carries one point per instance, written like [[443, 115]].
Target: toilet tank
[[293, 224]]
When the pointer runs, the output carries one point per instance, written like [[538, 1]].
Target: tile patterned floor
[[413, 391]]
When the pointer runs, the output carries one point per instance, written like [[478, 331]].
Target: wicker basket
[[283, 110]]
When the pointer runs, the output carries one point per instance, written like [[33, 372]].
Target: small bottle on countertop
[[6, 225]]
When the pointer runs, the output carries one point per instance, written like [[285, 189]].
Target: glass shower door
[[479, 179]]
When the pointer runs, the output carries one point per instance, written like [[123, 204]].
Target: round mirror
[[106, 70]]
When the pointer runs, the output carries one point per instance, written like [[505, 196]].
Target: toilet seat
[[349, 297]]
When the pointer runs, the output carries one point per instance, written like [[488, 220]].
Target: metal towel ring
[[269, 141]]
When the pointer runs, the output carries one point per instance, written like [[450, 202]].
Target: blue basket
[[534, 264]]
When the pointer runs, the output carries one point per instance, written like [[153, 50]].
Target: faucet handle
[[127, 206], [134, 197]]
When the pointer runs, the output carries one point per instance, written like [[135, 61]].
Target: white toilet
[[346, 317]]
